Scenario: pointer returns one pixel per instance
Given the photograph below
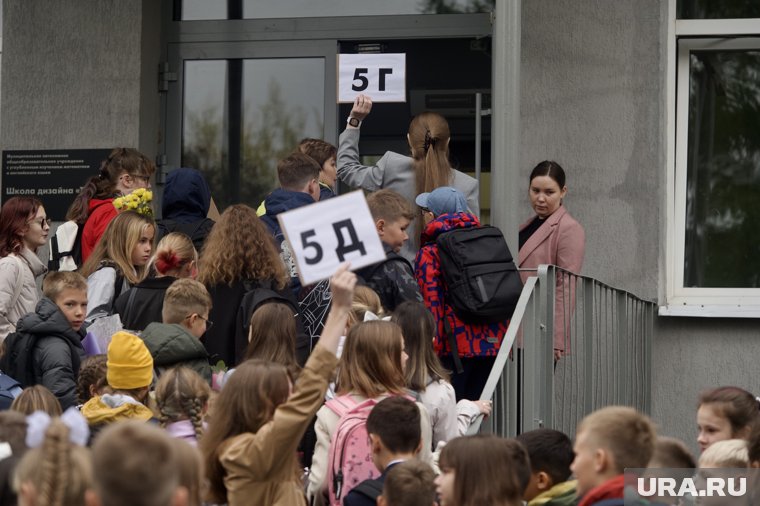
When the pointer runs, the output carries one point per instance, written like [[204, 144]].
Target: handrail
[[607, 334]]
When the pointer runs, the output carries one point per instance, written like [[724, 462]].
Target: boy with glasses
[[176, 341]]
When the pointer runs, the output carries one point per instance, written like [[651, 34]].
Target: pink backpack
[[350, 456]]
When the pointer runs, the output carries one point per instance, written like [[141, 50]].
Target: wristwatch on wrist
[[354, 122]]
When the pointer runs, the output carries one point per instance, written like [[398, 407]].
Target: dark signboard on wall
[[54, 176]]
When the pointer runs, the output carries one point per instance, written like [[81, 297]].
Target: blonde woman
[[142, 304], [119, 261]]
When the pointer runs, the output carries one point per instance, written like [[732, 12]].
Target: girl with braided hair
[[426, 168], [57, 470], [182, 397]]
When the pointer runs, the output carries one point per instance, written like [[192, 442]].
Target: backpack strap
[[453, 345], [341, 405], [369, 488]]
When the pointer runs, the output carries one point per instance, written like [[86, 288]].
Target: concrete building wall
[[76, 74], [593, 99]]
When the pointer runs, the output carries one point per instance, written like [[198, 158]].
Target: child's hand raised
[[342, 286]]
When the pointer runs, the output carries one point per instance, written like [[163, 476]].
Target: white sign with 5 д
[[325, 234], [381, 76]]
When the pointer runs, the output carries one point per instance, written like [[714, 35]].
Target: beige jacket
[[18, 289], [260, 468], [325, 426]]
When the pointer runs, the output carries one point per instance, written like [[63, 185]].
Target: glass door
[[235, 109]]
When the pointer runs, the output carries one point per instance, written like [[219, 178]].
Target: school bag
[[66, 247], [371, 489], [482, 281], [9, 390], [18, 360], [257, 293], [349, 459]]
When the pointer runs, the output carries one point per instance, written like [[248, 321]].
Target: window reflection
[[718, 9], [283, 102], [204, 144], [723, 170], [242, 116], [266, 9], [204, 9]]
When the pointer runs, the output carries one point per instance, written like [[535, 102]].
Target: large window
[[267, 9], [714, 233]]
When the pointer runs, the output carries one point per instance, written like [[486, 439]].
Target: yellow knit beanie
[[129, 362]]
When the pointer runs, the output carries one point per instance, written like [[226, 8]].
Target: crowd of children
[[220, 390]]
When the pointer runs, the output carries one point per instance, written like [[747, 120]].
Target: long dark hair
[[14, 223], [418, 327], [245, 404], [103, 186]]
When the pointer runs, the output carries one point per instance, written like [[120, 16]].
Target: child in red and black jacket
[[475, 345]]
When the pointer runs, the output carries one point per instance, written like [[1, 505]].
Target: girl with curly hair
[[239, 254]]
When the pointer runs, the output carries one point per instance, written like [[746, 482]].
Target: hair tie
[[369, 316], [429, 140], [38, 422]]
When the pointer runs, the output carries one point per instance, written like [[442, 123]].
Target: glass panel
[[265, 9], [241, 116], [204, 9], [723, 171], [718, 9], [283, 102], [204, 145]]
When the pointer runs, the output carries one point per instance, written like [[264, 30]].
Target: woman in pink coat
[[552, 237]]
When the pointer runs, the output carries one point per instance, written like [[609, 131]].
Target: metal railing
[[606, 334]]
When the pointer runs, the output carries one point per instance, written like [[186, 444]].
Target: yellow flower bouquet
[[139, 200]]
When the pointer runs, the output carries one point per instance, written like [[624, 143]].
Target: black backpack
[[256, 295], [18, 360], [482, 281]]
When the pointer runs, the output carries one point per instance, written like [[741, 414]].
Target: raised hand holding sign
[[381, 76], [325, 234]]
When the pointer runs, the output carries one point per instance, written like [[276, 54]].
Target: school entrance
[[242, 84]]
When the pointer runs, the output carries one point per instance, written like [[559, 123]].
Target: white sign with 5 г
[[325, 234], [381, 76]]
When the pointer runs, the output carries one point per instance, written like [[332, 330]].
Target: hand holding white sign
[[325, 234], [381, 76]]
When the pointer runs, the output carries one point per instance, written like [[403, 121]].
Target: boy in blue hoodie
[[299, 186]]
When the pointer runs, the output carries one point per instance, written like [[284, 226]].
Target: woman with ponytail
[[57, 470], [426, 169], [182, 398], [142, 304], [124, 171]]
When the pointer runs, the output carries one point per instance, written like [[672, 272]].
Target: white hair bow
[[370, 316], [38, 422]]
